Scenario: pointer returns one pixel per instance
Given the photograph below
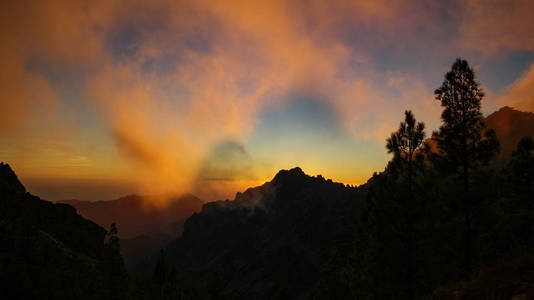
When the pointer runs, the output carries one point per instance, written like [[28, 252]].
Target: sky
[[106, 98]]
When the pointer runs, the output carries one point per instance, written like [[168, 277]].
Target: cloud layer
[[167, 82]]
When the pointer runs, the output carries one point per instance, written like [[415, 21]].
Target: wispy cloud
[[169, 81]]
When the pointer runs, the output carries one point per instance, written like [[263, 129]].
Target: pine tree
[[404, 143], [461, 138]]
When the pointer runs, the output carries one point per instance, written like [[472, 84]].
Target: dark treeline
[[445, 219]]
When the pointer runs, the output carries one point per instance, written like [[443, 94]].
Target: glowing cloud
[[520, 94], [163, 84]]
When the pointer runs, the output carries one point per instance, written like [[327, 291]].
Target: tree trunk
[[468, 250], [411, 235]]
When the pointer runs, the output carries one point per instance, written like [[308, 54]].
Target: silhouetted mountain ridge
[[279, 234], [138, 215]]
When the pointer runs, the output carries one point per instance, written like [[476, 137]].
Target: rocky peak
[[506, 108], [9, 183], [507, 113], [290, 176]]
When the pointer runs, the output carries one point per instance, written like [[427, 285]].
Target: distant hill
[[136, 215], [510, 125], [143, 227], [270, 242], [48, 251]]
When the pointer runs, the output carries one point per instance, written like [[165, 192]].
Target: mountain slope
[[510, 125], [136, 215], [144, 228], [48, 251], [271, 241]]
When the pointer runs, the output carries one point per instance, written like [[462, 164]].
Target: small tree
[[460, 138], [114, 265], [404, 144], [406, 141], [112, 239]]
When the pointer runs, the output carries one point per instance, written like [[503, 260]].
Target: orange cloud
[[493, 26], [520, 94], [24, 95], [165, 122], [170, 80]]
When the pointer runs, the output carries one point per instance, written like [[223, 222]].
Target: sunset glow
[[212, 97]]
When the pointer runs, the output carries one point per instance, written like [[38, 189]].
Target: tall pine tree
[[462, 139]]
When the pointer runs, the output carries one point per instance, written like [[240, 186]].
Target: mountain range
[[273, 241], [282, 233], [144, 227], [137, 215]]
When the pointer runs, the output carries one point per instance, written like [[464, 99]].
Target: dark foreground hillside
[[270, 242], [48, 251]]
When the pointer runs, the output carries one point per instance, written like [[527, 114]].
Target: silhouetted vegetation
[[522, 168], [462, 142], [404, 145], [460, 218]]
